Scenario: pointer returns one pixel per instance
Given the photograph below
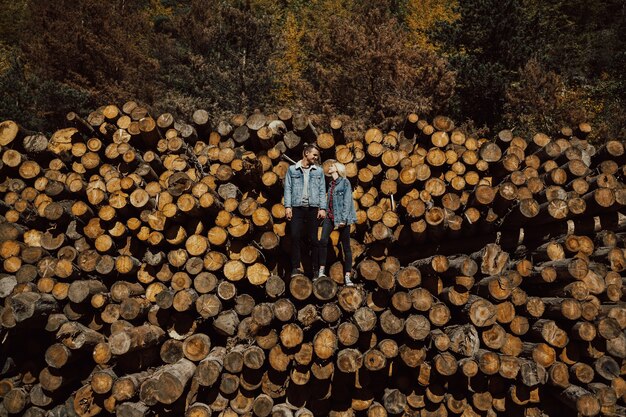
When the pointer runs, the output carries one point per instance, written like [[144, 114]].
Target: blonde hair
[[341, 168]]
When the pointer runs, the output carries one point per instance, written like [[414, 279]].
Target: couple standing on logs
[[306, 204]]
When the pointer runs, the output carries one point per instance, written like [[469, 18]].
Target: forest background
[[529, 65]]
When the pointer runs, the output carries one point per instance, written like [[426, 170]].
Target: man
[[305, 205]]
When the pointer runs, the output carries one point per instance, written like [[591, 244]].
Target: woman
[[341, 214]]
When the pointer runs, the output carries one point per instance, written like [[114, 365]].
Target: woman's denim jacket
[[294, 184], [343, 205]]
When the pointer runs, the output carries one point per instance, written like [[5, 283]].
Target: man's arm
[[322, 193], [287, 192], [321, 213], [287, 195]]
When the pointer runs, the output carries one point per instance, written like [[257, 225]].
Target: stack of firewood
[[144, 265]]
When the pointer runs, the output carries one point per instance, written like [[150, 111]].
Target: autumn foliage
[[370, 61]]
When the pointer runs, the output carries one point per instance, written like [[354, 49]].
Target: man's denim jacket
[[294, 184]]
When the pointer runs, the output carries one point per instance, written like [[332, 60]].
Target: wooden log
[[102, 381], [550, 332], [562, 308], [325, 344], [209, 369], [464, 340], [394, 401], [132, 409], [488, 362], [349, 360], [75, 335], [481, 312], [57, 355], [79, 291], [196, 347], [16, 400], [135, 338], [30, 306], [167, 384], [607, 368], [126, 387], [580, 400]]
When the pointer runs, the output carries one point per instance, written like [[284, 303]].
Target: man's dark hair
[[308, 147]]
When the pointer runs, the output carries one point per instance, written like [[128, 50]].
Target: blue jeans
[[304, 218], [344, 239]]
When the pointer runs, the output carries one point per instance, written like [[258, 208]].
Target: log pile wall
[[144, 269]]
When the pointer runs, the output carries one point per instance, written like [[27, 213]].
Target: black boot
[[315, 271]]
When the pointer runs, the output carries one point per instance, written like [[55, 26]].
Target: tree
[[486, 46], [422, 16], [289, 61], [584, 43], [364, 68], [216, 58], [34, 102], [541, 102], [103, 47]]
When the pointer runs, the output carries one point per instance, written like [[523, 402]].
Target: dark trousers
[[304, 219], [344, 239]]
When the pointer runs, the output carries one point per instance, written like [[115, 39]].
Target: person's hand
[[321, 214], [288, 213]]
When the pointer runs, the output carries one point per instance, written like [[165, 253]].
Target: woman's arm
[[348, 204]]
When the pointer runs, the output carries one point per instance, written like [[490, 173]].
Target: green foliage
[[579, 38], [585, 42], [27, 98], [13, 20], [219, 57], [540, 102], [486, 46]]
